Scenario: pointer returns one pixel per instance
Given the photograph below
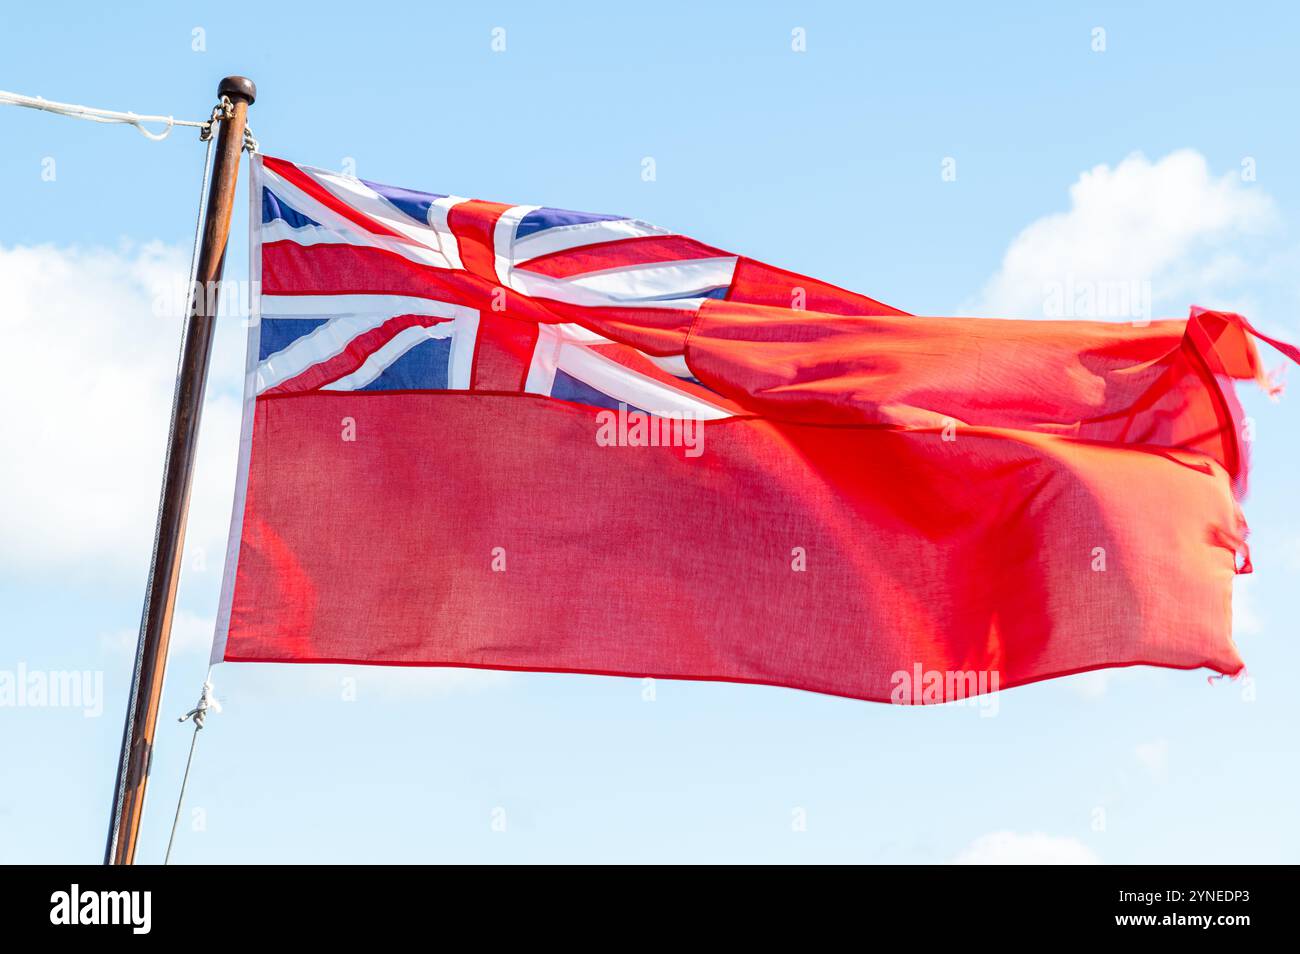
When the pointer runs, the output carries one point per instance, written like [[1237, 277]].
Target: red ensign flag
[[513, 437]]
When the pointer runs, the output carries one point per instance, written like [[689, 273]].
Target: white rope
[[199, 714], [101, 115]]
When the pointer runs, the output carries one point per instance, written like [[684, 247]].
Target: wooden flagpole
[[165, 571]]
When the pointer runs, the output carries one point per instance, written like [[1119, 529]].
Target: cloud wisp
[[1140, 240]]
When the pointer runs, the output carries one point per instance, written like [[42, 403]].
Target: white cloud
[[1036, 848], [86, 398], [1154, 757], [1246, 619], [1165, 223]]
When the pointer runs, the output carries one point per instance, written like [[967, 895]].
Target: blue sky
[[828, 161]]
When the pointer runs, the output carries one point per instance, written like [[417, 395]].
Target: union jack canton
[[371, 287]]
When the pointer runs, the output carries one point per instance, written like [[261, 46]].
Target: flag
[[523, 438]]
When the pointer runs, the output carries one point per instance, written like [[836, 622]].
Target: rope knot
[[200, 711]]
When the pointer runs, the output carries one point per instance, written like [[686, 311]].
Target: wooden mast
[[169, 542]]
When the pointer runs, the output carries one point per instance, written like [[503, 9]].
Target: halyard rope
[[101, 115], [199, 714], [96, 115]]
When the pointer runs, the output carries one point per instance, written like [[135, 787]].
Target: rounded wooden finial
[[238, 87]]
